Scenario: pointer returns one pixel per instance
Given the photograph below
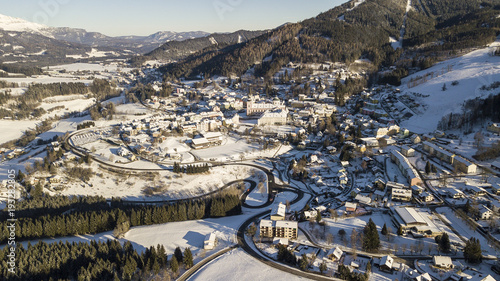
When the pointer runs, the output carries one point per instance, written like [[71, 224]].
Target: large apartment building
[[281, 229]]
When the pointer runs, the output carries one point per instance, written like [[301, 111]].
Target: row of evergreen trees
[[52, 205], [85, 125], [107, 260], [90, 221], [191, 169]]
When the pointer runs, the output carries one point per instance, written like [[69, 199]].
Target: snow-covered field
[[43, 79], [94, 53], [113, 67], [73, 103], [13, 129], [166, 184], [237, 265], [187, 234], [472, 70], [131, 108]]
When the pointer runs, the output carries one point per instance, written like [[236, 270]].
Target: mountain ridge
[[137, 44]]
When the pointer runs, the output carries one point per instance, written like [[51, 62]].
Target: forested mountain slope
[[351, 31]]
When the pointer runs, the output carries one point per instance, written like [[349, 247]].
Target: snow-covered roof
[[350, 205], [200, 141], [279, 210], [424, 277], [387, 261], [210, 135], [442, 260], [287, 224], [210, 237], [266, 223], [410, 215], [335, 252]]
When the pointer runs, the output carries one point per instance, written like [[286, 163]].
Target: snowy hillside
[[16, 24], [463, 77]]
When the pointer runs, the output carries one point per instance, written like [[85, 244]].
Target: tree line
[[191, 169], [107, 260], [43, 224]]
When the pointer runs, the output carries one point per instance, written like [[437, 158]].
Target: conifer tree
[[174, 265], [384, 230], [178, 254], [472, 251], [188, 258], [371, 240]]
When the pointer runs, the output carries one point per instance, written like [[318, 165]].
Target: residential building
[[485, 213], [278, 212], [363, 199], [400, 194], [442, 262], [210, 241], [281, 229], [476, 190], [266, 228], [407, 151], [455, 193], [424, 277], [274, 117], [464, 165], [350, 207], [406, 168], [461, 164], [415, 139], [426, 197], [386, 263], [286, 229], [254, 107], [335, 254]]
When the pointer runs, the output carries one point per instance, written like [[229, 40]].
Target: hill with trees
[[175, 50], [434, 28]]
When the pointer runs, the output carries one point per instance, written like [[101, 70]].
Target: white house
[[335, 254], [210, 241], [442, 261], [484, 212]]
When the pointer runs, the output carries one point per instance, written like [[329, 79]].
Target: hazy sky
[[127, 17]]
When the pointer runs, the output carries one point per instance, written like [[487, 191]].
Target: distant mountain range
[[24, 41]]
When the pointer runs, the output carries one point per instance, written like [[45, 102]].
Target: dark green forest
[[94, 215], [83, 261], [175, 50]]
